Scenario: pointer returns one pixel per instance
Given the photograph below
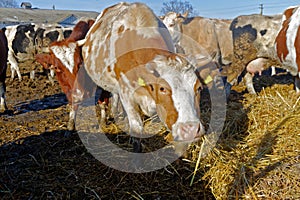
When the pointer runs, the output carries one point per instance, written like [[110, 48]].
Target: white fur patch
[[66, 55], [2, 101]]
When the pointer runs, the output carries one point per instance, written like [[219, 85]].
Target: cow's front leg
[[2, 97], [101, 111], [135, 121], [13, 66], [249, 83], [135, 129], [297, 83], [72, 116]]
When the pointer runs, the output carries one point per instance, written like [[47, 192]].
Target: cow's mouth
[[188, 132]]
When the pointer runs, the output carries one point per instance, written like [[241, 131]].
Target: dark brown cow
[[288, 43], [3, 67]]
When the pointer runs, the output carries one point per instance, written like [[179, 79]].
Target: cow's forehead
[[177, 71], [171, 15]]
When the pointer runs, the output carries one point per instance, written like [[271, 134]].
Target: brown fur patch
[[289, 12], [280, 40], [121, 29], [162, 94]]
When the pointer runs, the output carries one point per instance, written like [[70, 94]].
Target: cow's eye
[[162, 89], [199, 89]]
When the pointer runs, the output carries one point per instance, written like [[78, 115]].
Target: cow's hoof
[[71, 125], [137, 146], [3, 108]]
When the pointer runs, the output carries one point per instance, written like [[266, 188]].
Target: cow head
[[174, 87], [45, 59], [172, 19]]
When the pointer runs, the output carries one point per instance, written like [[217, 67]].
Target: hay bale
[[258, 155]]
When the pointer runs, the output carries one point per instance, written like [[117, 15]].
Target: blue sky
[[206, 8]]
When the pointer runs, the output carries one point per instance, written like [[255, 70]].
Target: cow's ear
[[162, 17], [80, 42], [184, 15], [182, 60], [56, 69]]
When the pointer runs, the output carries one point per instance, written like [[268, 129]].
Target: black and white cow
[[26, 40], [253, 46]]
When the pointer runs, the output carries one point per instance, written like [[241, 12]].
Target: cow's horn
[[81, 42]]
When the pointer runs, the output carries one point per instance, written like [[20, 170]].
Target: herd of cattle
[[154, 65]]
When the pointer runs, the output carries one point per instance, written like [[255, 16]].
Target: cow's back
[[199, 37], [253, 37], [123, 36]]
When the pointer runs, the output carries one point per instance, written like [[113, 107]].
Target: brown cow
[[195, 36]]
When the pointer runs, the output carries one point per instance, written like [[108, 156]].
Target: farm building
[[26, 5], [11, 16]]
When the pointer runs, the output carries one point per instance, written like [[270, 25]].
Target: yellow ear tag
[[208, 79], [141, 82]]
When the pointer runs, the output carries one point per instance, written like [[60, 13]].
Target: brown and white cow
[[204, 41], [287, 43], [128, 51], [213, 36], [65, 58], [253, 47], [3, 67]]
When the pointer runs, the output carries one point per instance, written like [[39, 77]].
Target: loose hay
[[258, 155]]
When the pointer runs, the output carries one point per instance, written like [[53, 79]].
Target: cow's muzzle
[[188, 131]]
